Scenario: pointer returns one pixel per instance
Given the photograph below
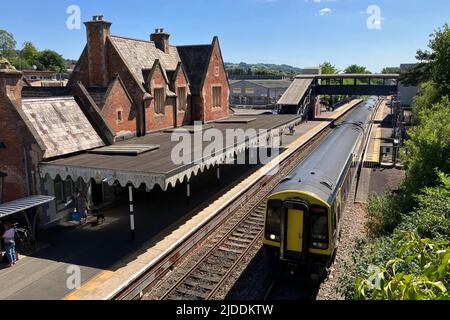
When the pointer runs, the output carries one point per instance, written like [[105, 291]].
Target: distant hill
[[260, 69]]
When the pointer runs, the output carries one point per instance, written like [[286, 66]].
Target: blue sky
[[296, 32]]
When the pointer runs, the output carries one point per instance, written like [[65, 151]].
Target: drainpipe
[[147, 97], [192, 108], [175, 112], [27, 174]]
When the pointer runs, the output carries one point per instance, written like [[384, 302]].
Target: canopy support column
[[132, 229], [188, 192], [218, 174]]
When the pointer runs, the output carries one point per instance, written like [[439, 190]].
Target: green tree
[[355, 69], [29, 53], [433, 65], [391, 70], [428, 147], [7, 44], [51, 60], [420, 271], [328, 68]]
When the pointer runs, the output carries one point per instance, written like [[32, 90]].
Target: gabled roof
[[61, 125], [140, 55], [266, 83], [98, 94], [195, 61]]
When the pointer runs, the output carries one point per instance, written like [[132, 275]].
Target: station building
[[110, 127], [121, 88]]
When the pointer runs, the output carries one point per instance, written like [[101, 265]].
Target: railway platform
[[103, 256], [378, 170]]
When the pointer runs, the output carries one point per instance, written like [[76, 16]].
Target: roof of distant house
[[270, 84]]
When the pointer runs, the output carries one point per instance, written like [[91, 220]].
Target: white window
[[249, 90], [237, 90]]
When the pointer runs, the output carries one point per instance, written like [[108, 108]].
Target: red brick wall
[[15, 135], [183, 116], [97, 34], [216, 76], [118, 100], [81, 71], [155, 121]]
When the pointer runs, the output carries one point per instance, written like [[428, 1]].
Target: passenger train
[[304, 212]]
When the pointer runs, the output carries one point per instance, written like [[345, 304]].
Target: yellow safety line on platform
[[98, 288]]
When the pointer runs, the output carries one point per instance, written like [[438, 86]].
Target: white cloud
[[324, 11]]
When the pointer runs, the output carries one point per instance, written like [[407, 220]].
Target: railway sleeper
[[199, 284], [231, 250], [236, 244], [208, 277], [243, 236], [191, 294], [240, 239]]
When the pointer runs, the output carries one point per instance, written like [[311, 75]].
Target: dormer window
[[182, 101], [217, 97], [119, 116], [159, 100]]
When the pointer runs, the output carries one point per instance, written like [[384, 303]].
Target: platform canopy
[[155, 166], [19, 205]]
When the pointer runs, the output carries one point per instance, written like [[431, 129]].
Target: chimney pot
[[161, 39]]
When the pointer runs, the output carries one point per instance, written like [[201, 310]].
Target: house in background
[[257, 92]]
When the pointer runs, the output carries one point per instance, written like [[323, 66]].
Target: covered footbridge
[[301, 96]]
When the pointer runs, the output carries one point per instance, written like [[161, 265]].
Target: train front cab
[[298, 234]]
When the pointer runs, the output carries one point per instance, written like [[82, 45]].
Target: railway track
[[236, 230], [203, 280]]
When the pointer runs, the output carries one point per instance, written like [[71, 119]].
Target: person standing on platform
[[10, 244]]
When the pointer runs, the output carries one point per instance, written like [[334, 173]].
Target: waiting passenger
[[79, 202], [10, 244]]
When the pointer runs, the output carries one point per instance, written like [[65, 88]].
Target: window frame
[[159, 109], [181, 107], [216, 99]]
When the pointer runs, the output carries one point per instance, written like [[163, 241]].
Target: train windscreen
[[319, 228], [273, 222]]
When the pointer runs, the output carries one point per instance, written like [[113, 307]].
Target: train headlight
[[273, 237]]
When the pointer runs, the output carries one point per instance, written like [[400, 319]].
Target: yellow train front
[[303, 213]]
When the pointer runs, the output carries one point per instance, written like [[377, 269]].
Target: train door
[[293, 229]]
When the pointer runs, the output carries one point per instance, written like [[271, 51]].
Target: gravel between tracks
[[353, 229]]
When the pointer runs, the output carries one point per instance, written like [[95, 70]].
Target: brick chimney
[[11, 85], [161, 39], [98, 31]]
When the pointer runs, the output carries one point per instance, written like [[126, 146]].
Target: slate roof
[[295, 92], [61, 124], [98, 94], [270, 84], [195, 60], [45, 92], [141, 54]]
